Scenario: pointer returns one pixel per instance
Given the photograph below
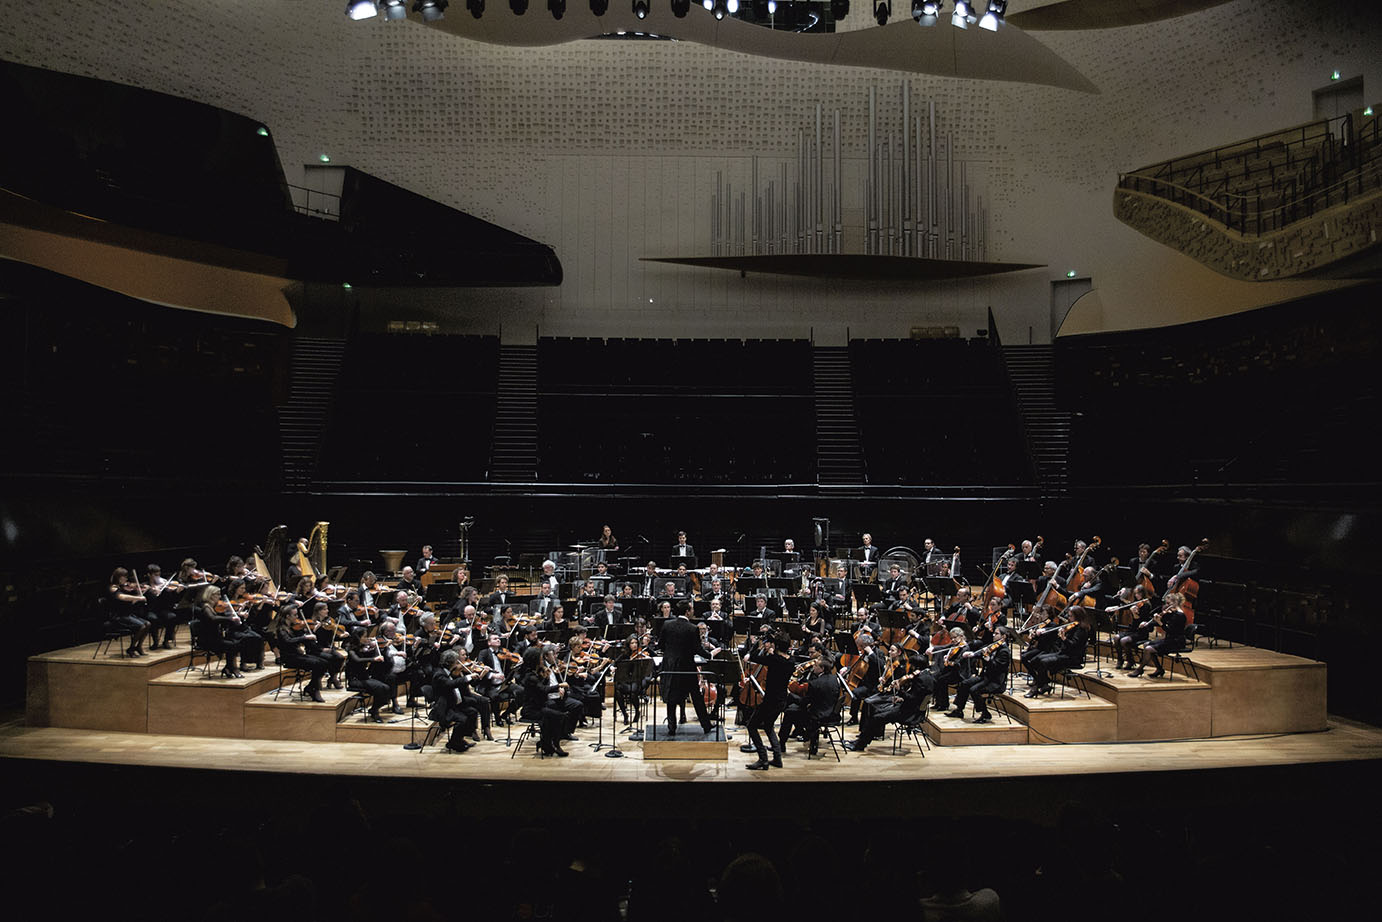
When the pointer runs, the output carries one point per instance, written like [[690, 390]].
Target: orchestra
[[869, 650]]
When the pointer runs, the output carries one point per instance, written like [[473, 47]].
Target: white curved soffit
[[973, 54]]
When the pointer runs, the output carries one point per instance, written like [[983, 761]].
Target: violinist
[[545, 699], [630, 694], [472, 697], [1135, 603], [400, 610], [895, 666], [903, 699], [450, 683], [946, 669], [468, 597], [258, 613], [366, 670], [994, 617], [770, 653], [299, 648], [1069, 654], [233, 625], [425, 651], [558, 619], [991, 679], [527, 640], [305, 591], [491, 684], [408, 582], [1171, 620], [125, 607], [461, 577], [393, 643], [815, 704], [1041, 635], [369, 584], [161, 597], [351, 614]]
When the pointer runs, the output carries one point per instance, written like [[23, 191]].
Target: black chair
[[195, 627], [532, 729], [111, 630], [1071, 676], [914, 728]]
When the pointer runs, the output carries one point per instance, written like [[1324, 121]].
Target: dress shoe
[[955, 713], [316, 695], [571, 739], [559, 752], [759, 766], [374, 716], [167, 645], [748, 747], [776, 762], [488, 736], [984, 718], [1032, 693], [397, 709], [1158, 674], [333, 682], [1136, 673], [855, 746]]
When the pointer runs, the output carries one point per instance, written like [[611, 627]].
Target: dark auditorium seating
[[937, 412]]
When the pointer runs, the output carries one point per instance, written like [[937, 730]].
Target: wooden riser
[[395, 731], [197, 704], [1073, 719], [289, 718], [68, 688], [1169, 708], [957, 731]]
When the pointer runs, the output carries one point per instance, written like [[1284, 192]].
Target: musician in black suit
[[424, 563], [903, 700], [409, 582], [868, 555], [990, 680], [1069, 654], [816, 707], [610, 613], [543, 606], [681, 548], [500, 596], [1172, 620], [681, 642], [869, 674], [450, 684], [894, 582]]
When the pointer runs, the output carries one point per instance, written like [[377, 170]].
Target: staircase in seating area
[[839, 459], [1030, 368], [314, 365], [1297, 202], [513, 450]]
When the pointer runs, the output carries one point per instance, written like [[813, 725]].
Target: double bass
[[1187, 587]]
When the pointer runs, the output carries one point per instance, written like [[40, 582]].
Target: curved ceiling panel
[[974, 54]]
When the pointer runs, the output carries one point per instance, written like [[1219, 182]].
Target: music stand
[[674, 562], [867, 593]]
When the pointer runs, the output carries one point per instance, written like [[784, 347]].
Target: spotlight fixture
[[476, 7], [519, 7], [640, 7], [558, 8], [680, 8], [718, 9], [994, 16], [839, 9], [395, 10], [882, 10], [926, 11], [362, 9], [732, 6], [708, 4], [772, 7], [962, 15], [599, 7], [432, 10]]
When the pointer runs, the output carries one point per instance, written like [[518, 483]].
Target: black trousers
[[698, 702], [978, 688], [1044, 665], [799, 715], [765, 718]]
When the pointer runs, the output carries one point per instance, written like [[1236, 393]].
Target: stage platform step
[[1072, 719], [396, 730], [196, 703], [962, 731], [1169, 708], [290, 718], [78, 688]]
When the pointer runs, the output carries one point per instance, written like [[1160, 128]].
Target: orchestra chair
[[1187, 666], [298, 676], [435, 728], [110, 630], [195, 628], [833, 732], [1070, 675], [914, 728], [532, 730]]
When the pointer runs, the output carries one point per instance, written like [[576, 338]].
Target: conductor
[[681, 641]]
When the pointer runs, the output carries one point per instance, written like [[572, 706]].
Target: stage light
[[994, 16], [323, 158], [557, 7], [361, 9], [432, 10], [772, 7], [680, 8], [881, 11], [964, 12], [1070, 274], [640, 8], [732, 6], [519, 7], [1334, 76], [476, 7], [395, 10], [718, 9], [708, 4]]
